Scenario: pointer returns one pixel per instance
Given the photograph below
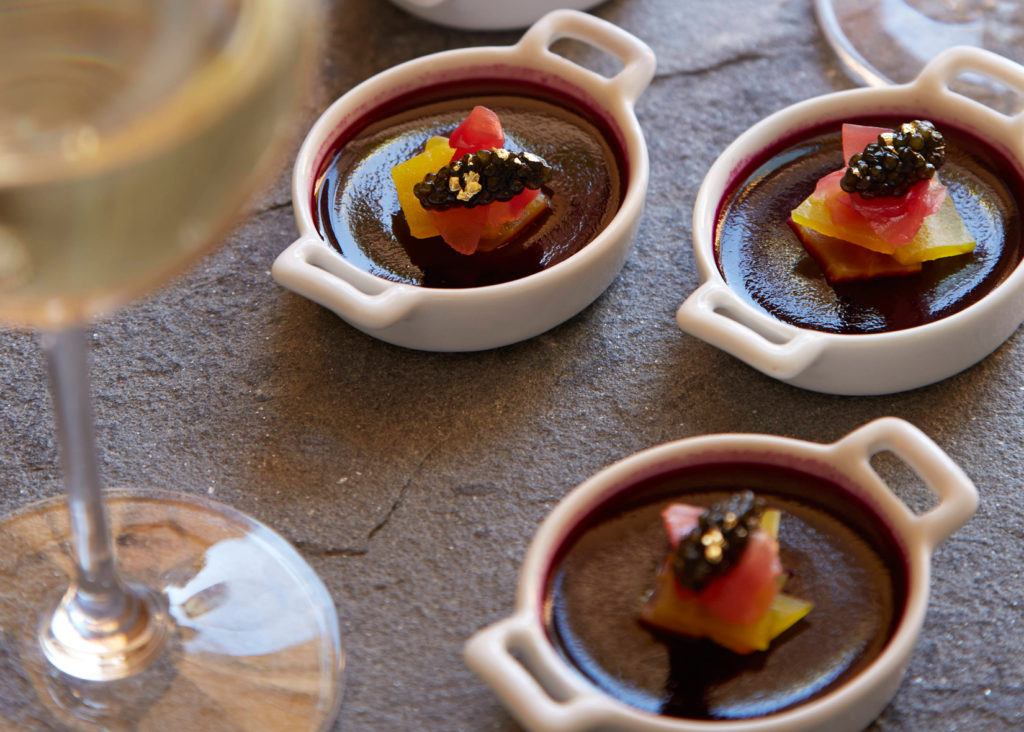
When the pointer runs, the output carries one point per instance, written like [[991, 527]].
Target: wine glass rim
[[243, 60]]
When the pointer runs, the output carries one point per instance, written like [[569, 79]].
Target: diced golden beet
[[843, 262], [438, 141], [435, 156], [942, 234], [492, 237], [771, 520]]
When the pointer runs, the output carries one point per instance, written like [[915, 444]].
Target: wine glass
[[888, 41], [131, 133]]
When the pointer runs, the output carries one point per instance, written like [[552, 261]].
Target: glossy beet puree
[[357, 208], [762, 259], [842, 558]]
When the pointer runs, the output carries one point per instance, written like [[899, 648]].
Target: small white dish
[[545, 692], [487, 14], [470, 319], [875, 363]]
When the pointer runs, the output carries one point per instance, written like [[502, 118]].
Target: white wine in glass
[[131, 134], [888, 41]]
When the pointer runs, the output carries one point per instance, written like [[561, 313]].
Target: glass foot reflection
[[254, 642]]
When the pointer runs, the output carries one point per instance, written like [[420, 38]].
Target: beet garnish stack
[[887, 211]]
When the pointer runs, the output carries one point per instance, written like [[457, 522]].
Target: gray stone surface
[[413, 481]]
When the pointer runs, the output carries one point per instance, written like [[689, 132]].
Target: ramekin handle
[[936, 77], [715, 314], [309, 268], [490, 654], [636, 56], [958, 498]]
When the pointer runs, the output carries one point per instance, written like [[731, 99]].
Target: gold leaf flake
[[471, 187]]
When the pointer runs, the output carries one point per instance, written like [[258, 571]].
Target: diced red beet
[[501, 212], [481, 130], [461, 227]]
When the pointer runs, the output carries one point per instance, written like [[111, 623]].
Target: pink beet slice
[[747, 590], [679, 519], [858, 137], [896, 220]]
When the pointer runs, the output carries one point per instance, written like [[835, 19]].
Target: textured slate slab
[[414, 481]]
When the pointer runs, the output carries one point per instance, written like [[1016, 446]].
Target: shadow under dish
[[357, 208], [840, 555], [762, 259]]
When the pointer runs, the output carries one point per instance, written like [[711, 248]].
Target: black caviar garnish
[[718, 540], [483, 177], [899, 159]]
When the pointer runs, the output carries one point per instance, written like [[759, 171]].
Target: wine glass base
[[253, 641], [129, 648], [882, 42]]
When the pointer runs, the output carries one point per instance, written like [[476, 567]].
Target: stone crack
[[314, 549], [723, 64], [400, 498], [270, 207]]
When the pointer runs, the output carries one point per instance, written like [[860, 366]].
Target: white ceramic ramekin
[[876, 363], [487, 14], [477, 318], [546, 693]]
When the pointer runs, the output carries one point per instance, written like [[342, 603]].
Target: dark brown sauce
[[842, 557], [762, 259], [357, 208]]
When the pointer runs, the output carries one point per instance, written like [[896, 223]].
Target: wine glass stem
[[102, 629], [101, 595]]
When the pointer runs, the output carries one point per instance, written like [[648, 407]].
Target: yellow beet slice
[[843, 262], [436, 155], [943, 234], [771, 520], [785, 612]]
